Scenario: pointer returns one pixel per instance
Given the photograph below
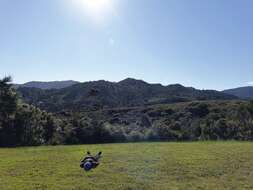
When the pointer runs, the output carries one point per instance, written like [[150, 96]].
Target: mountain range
[[104, 94], [242, 92]]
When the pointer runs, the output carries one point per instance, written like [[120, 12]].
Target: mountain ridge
[[241, 92], [47, 85], [105, 94]]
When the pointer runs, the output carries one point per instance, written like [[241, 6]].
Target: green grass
[[203, 165]]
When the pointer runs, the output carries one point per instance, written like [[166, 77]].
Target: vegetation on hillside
[[205, 120], [22, 124]]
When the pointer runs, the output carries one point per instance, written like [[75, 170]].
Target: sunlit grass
[[202, 165]]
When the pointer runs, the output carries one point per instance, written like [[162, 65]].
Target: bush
[[135, 136]]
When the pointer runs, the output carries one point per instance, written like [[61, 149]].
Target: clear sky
[[207, 44]]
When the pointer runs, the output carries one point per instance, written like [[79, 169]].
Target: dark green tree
[[8, 106]]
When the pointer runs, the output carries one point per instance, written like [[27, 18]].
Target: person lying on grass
[[90, 162]]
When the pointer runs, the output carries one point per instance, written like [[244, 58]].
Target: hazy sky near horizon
[[207, 44]]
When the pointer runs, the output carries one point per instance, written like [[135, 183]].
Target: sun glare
[[97, 10]]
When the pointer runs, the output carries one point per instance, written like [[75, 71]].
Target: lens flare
[[97, 10]]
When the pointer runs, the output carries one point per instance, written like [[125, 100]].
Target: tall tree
[[8, 106]]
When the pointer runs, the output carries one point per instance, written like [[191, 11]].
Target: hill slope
[[103, 94], [242, 92]]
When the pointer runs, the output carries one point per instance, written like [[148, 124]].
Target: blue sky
[[204, 44]]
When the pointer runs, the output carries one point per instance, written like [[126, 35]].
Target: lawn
[[201, 165]]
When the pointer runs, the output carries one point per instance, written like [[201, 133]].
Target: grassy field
[[203, 165]]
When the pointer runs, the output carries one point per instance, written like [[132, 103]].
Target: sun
[[97, 10]]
